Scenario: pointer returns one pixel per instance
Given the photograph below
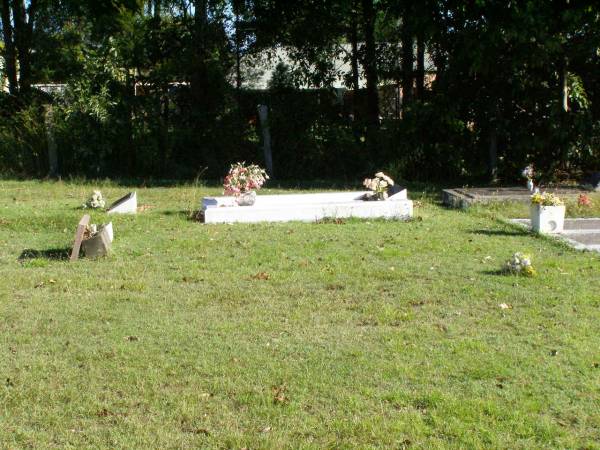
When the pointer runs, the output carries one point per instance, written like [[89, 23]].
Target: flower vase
[[547, 219], [246, 198]]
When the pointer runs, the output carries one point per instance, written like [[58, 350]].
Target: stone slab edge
[[524, 223]]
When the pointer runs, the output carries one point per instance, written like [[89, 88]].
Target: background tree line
[[160, 87]]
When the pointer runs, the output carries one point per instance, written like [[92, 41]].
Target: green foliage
[[153, 87], [22, 138]]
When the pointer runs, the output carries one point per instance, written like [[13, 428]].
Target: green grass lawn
[[360, 334], [521, 210]]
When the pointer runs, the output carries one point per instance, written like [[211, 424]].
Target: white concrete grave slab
[[306, 207], [579, 233], [125, 205]]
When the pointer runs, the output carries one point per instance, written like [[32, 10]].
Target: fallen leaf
[[261, 276], [104, 413], [143, 208], [279, 396]]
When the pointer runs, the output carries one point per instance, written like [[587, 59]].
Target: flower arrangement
[[546, 199], [242, 178], [584, 200], [528, 173], [379, 185], [520, 264], [95, 201]]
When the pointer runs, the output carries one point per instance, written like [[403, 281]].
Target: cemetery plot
[[582, 234], [465, 197], [306, 207]]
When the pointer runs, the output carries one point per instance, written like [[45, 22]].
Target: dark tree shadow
[[56, 254], [501, 232], [193, 216], [498, 272]]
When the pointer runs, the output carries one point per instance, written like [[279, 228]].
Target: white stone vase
[[547, 219], [246, 198]]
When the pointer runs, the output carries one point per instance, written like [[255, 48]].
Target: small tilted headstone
[[94, 243], [99, 244], [125, 205]]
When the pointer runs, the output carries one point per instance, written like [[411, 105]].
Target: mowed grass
[[521, 210], [358, 334]]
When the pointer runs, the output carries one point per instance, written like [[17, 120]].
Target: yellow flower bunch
[[546, 199]]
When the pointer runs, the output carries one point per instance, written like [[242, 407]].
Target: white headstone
[[125, 205]]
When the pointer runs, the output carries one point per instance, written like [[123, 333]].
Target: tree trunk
[[52, 147], [129, 111], [354, 64], [199, 82], [354, 55], [10, 56], [420, 76], [564, 81], [23, 35], [407, 63], [163, 127], [370, 63], [493, 153], [238, 53]]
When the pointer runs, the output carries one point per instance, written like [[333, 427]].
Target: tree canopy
[[438, 89]]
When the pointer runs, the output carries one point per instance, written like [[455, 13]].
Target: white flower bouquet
[[520, 264], [528, 173], [95, 201], [379, 185]]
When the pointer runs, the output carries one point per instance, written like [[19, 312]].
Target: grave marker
[[125, 205], [83, 223]]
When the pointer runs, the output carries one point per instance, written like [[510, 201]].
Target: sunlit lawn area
[[357, 334]]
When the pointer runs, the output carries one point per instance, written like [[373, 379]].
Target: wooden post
[[263, 114], [83, 223]]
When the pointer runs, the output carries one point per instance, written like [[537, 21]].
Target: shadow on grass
[[498, 272], [187, 214], [55, 254], [500, 232]]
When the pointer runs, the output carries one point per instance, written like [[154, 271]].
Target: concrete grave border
[[306, 207], [564, 235]]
